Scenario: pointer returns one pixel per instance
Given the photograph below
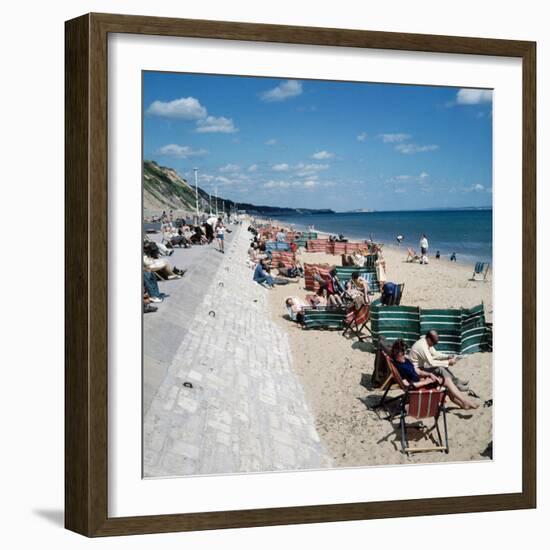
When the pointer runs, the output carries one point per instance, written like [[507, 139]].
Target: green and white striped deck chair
[[475, 333], [324, 318], [344, 275], [394, 322], [448, 324]]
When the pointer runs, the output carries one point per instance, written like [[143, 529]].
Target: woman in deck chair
[[358, 290], [412, 256], [418, 378]]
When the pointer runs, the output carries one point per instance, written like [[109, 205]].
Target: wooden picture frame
[[86, 195]]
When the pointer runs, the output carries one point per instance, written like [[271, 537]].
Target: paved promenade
[[246, 410]]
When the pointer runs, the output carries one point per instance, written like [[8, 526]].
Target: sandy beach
[[335, 371]]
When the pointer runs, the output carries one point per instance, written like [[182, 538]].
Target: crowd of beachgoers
[[280, 257], [175, 233]]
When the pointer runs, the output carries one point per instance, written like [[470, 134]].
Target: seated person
[[423, 355], [262, 276], [419, 378], [358, 259], [334, 289], [281, 236], [358, 290]]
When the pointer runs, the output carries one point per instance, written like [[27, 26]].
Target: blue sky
[[322, 144]]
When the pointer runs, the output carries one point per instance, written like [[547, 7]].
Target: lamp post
[[216, 190]]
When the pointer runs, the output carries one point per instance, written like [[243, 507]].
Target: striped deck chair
[[324, 318], [448, 324], [317, 245], [481, 268], [393, 322], [393, 378], [309, 235], [312, 271], [356, 321], [474, 331]]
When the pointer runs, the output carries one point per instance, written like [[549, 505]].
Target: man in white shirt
[[423, 355], [424, 249]]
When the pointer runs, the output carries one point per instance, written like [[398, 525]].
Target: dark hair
[[399, 346], [355, 275]]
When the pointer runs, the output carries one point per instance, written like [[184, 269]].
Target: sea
[[467, 233]]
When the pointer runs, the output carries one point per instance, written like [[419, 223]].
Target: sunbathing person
[[412, 256], [162, 267], [419, 378], [334, 289], [295, 307], [358, 290]]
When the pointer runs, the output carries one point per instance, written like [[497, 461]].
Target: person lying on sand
[[420, 378], [295, 307], [423, 355]]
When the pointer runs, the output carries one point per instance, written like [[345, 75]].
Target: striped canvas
[[475, 335], [394, 322], [425, 403], [276, 245], [310, 270], [344, 275], [317, 245], [447, 323], [324, 318], [280, 258]]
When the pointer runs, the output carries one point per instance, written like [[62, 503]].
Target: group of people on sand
[[156, 266], [412, 256], [424, 367]]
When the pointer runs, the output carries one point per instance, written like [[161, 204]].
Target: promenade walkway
[[246, 410]]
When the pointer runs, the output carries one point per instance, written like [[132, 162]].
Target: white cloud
[[228, 168], [309, 184], [253, 168], [424, 175], [273, 184], [403, 178], [362, 136], [401, 190], [271, 141], [220, 125], [468, 96], [184, 108], [285, 90], [322, 155], [180, 151], [394, 138], [303, 169], [282, 167], [412, 148]]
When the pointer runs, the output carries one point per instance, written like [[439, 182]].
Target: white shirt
[[422, 355], [424, 243]]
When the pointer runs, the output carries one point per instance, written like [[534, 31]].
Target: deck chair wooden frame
[[393, 378], [356, 321], [415, 400]]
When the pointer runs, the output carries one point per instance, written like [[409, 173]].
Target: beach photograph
[[317, 274]]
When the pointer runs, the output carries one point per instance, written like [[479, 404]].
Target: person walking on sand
[[424, 249], [399, 239], [220, 233]]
